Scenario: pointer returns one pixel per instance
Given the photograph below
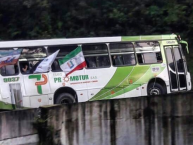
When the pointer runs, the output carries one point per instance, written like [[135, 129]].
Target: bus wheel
[[156, 89], [65, 98]]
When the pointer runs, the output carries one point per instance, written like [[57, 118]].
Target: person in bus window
[[90, 62], [104, 61], [24, 68], [117, 60]]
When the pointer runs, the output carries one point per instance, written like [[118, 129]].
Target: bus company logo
[[39, 84], [66, 79], [79, 78], [70, 64], [76, 78], [155, 69], [170, 42]]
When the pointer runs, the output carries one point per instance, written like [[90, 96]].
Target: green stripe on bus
[[151, 37], [120, 74], [142, 80], [136, 77], [120, 81]]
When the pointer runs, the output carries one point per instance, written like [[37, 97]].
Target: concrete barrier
[[17, 127], [159, 120]]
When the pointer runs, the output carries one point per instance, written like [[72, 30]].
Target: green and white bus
[[117, 67]]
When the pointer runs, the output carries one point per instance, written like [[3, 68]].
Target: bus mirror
[[184, 45]]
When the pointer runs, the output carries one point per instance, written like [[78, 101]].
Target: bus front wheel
[[65, 98], [156, 89]]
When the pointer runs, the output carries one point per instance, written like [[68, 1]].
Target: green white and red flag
[[73, 61]]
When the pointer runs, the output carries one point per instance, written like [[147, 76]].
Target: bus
[[117, 67]]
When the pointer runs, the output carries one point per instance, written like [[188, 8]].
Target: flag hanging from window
[[73, 61], [45, 64], [9, 57]]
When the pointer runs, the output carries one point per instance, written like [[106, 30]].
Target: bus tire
[[156, 89], [65, 98]]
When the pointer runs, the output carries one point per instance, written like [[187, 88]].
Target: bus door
[[11, 86], [176, 68]]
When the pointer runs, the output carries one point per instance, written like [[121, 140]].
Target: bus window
[[117, 60], [149, 58], [33, 52], [91, 62], [28, 67], [64, 49], [103, 61], [122, 54], [9, 70], [96, 55], [129, 59], [148, 52], [95, 49]]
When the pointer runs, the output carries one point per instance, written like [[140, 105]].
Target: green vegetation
[[39, 19], [34, 19]]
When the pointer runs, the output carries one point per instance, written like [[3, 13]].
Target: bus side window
[[91, 62], [103, 61], [148, 52], [64, 50], [9, 70], [117, 60], [96, 55], [150, 57], [122, 54]]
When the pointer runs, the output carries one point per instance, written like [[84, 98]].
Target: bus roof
[[149, 37], [49, 42]]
